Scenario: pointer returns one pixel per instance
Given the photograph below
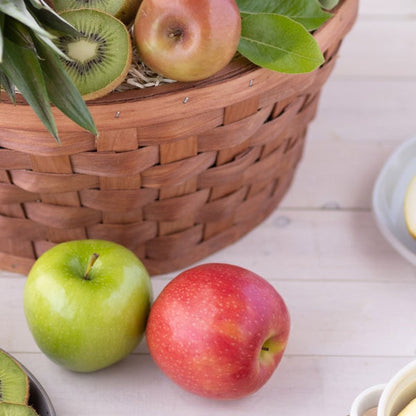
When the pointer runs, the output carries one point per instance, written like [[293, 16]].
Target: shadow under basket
[[178, 171]]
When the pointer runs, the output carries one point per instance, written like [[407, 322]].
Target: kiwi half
[[101, 56], [125, 10], [14, 382], [15, 409]]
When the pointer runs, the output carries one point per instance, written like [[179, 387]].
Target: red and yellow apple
[[218, 330], [187, 40]]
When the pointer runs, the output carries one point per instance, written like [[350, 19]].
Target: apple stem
[[176, 33], [91, 262], [265, 348]]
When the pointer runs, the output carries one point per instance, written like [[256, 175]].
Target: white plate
[[388, 198]]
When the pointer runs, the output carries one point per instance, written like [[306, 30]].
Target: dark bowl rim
[[38, 397]]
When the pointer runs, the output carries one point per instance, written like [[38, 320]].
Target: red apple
[[187, 40], [218, 330]]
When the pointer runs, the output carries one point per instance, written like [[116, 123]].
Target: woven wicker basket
[[178, 172]]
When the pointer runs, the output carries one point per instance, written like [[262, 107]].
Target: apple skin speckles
[[218, 330], [187, 40]]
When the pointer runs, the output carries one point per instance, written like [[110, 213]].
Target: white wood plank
[[343, 178], [317, 246], [351, 296], [379, 48], [366, 109], [351, 319], [346, 288], [358, 125], [348, 318], [320, 386], [289, 245], [388, 9]]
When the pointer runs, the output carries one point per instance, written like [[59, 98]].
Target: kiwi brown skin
[[128, 13], [123, 73], [16, 409], [126, 10]]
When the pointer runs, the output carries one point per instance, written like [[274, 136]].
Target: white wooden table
[[352, 298]]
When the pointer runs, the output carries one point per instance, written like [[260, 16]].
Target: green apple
[[86, 303]]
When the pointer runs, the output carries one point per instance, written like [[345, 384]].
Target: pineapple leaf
[[17, 9], [1, 36], [7, 86], [52, 46], [26, 36], [49, 18], [17, 33], [22, 68], [61, 90]]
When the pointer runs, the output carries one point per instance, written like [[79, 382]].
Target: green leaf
[[279, 43], [17, 9], [50, 19], [14, 31], [309, 13], [1, 36], [7, 86], [61, 90], [17, 33], [328, 4], [53, 47], [22, 68]]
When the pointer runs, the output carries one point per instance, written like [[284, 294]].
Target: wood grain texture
[[224, 164], [351, 296]]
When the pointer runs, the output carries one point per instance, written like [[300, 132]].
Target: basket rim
[[239, 65], [239, 80]]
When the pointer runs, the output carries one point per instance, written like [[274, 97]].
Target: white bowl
[[390, 398], [388, 198]]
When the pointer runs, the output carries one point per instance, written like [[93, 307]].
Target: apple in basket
[[218, 330], [86, 303], [187, 40]]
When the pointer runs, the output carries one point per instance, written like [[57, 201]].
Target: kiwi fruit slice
[[125, 10], [100, 57], [14, 382], [15, 409]]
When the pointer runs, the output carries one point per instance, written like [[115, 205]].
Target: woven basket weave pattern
[[173, 182]]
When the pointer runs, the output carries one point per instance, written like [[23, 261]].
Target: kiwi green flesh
[[14, 383], [14, 409], [125, 10], [100, 56], [109, 6]]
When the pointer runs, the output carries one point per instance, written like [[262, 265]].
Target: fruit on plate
[[14, 382], [125, 10], [187, 40], [218, 330], [15, 409], [410, 207], [100, 56], [409, 410], [86, 303]]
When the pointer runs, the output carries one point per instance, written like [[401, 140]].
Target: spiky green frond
[[29, 61]]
